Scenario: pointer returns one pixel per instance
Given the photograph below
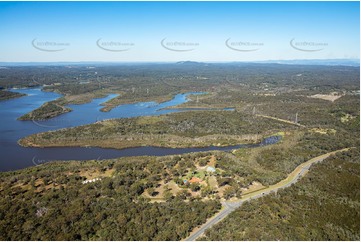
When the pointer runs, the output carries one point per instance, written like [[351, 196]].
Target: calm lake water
[[16, 157]]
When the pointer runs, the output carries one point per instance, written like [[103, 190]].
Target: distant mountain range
[[327, 62], [190, 63]]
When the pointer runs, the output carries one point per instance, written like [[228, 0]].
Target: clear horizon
[[178, 31]]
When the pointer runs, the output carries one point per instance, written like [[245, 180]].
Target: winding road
[[230, 206]]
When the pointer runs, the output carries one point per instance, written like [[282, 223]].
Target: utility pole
[[99, 85], [254, 111], [296, 120]]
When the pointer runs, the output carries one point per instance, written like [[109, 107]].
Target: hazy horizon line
[[211, 61]]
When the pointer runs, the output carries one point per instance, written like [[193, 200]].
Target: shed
[[211, 169]]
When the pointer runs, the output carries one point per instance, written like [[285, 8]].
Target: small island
[[5, 95], [46, 111]]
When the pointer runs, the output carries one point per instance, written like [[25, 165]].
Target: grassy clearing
[[331, 97], [323, 131], [347, 118]]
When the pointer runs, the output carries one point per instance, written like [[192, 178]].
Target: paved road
[[229, 206]]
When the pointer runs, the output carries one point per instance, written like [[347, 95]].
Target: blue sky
[[198, 31]]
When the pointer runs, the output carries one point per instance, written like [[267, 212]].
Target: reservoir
[[16, 157]]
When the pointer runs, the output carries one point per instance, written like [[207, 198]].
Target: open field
[[330, 97]]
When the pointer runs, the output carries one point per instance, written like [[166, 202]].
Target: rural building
[[211, 169], [195, 179]]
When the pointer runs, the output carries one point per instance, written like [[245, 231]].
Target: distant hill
[[190, 63], [325, 62]]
